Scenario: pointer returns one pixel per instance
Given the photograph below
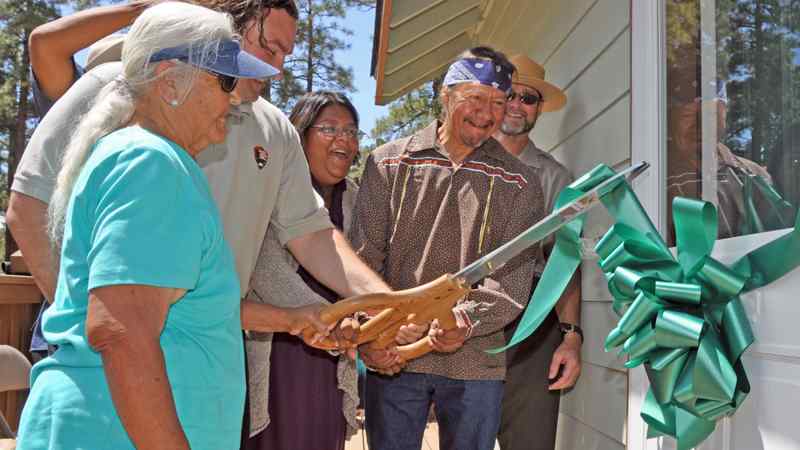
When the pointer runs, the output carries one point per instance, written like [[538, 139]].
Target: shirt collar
[[426, 139]]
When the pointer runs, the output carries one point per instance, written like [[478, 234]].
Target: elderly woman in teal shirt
[[146, 315]]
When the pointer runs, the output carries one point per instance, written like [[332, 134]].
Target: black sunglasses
[[526, 98], [226, 82]]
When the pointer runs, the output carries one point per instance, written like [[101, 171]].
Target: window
[[733, 110]]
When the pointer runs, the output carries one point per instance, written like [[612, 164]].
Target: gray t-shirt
[[553, 174], [258, 176], [554, 177]]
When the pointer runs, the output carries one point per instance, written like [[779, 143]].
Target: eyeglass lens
[[334, 132], [526, 98], [227, 82]]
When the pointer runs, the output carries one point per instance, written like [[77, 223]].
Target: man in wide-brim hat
[[549, 360]]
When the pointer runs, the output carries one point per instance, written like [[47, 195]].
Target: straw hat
[[530, 73], [108, 49]]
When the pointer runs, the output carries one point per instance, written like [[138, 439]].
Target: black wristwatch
[[570, 328]]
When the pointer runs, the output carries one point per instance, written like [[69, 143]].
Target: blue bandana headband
[[483, 71]]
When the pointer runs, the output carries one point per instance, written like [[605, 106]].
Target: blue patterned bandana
[[483, 71]]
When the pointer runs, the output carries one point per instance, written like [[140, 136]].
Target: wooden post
[[19, 304]]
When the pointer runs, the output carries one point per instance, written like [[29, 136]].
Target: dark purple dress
[[305, 404]]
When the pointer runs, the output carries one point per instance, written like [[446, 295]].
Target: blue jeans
[[468, 412]]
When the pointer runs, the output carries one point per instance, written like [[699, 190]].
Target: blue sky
[[358, 57]]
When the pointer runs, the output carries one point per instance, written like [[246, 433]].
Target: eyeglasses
[[333, 132], [226, 82], [526, 98]]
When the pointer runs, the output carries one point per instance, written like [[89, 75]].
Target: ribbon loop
[[681, 292], [724, 280], [642, 310], [676, 329]]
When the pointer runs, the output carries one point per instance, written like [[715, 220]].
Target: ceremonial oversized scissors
[[436, 299]]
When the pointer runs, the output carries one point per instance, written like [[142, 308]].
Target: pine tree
[[409, 113], [18, 18], [313, 64]]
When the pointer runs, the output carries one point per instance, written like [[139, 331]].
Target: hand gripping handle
[[419, 305]]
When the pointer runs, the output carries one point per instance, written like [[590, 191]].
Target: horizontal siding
[[574, 435], [594, 287], [599, 86], [598, 29], [555, 24], [598, 319], [599, 400], [598, 220], [605, 139], [515, 21], [585, 48]]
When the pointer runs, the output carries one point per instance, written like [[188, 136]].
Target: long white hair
[[165, 25]]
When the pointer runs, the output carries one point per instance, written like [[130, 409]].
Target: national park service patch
[[261, 156]]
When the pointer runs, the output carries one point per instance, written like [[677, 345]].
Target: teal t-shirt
[[141, 213]]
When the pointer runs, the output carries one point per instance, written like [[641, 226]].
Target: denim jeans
[[468, 412]]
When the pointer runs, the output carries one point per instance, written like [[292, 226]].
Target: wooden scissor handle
[[420, 305]]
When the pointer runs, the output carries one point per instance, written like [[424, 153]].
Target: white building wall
[[585, 48]]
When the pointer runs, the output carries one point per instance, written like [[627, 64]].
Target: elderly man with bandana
[[429, 204]]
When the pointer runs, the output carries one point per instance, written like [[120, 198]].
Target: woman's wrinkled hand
[[304, 317]]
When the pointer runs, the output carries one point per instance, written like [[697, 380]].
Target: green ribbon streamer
[[776, 211], [682, 319]]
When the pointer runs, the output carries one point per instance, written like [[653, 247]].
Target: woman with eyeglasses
[[147, 310], [302, 398]]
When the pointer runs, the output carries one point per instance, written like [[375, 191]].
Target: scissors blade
[[492, 261]]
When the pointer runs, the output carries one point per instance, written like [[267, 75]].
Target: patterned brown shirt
[[419, 216]]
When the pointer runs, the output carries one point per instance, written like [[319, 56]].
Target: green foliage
[[3, 192], [756, 44], [408, 114], [757, 41], [313, 64], [357, 169], [759, 45], [17, 19]]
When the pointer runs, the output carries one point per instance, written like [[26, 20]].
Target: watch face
[[570, 328]]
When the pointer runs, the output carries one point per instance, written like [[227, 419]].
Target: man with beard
[[553, 351], [430, 204]]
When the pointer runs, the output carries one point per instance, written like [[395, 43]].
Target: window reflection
[[733, 121]]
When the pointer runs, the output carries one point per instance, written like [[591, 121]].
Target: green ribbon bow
[[682, 319]]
